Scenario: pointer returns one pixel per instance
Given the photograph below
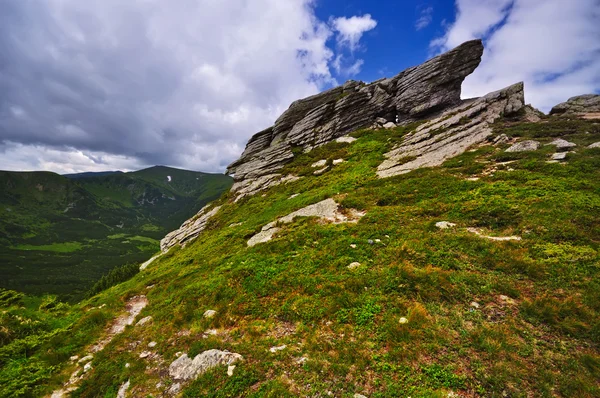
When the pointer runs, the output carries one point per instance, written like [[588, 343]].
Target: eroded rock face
[[185, 368], [582, 104], [415, 94], [190, 229], [452, 133]]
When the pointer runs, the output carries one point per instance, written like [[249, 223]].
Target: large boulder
[[415, 94]]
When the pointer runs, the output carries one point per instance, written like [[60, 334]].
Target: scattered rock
[[559, 156], [559, 143], [294, 196], [353, 245], [301, 360], [496, 238], [389, 125], [346, 140], [74, 358], [230, 370], [144, 321], [414, 94], [475, 304], [184, 368], [190, 229], [209, 313], [280, 348], [448, 135], [321, 171], [524, 146], [85, 359], [338, 161], [501, 139], [122, 393], [326, 210], [359, 396], [127, 365], [444, 224], [506, 299], [145, 354], [87, 367], [353, 265], [320, 163], [595, 145], [403, 320], [152, 344], [174, 389]]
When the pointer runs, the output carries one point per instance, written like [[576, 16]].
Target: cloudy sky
[[109, 84]]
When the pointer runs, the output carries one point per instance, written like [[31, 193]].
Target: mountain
[[381, 240], [91, 174], [59, 234]]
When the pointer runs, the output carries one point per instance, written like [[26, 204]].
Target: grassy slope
[[53, 230], [535, 333]]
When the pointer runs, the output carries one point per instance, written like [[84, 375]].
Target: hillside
[[453, 254], [59, 234]]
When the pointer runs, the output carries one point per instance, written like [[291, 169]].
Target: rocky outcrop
[[582, 105], [451, 133], [190, 229], [185, 368], [327, 210], [524, 146], [415, 94]]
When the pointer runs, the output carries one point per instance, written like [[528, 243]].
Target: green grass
[[66, 247], [535, 331]]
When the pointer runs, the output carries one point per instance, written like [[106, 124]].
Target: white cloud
[[425, 18], [551, 45], [145, 82], [350, 30]]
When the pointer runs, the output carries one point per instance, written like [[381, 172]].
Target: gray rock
[[595, 145], [319, 163], [444, 224], [122, 393], [144, 321], [321, 171], [559, 156], [501, 139], [389, 125], [582, 104], [447, 135], [210, 313], [559, 143], [190, 229], [184, 368], [524, 146], [326, 210], [337, 161], [353, 265], [415, 94], [346, 140]]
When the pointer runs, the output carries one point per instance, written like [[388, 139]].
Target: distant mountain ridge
[[60, 233]]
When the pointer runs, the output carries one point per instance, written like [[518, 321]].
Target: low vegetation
[[429, 312]]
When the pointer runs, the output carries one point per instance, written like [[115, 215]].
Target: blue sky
[[110, 84]]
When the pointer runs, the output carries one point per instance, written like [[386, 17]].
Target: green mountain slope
[[59, 235], [426, 312]]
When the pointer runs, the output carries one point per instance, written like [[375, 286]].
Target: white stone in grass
[[346, 140], [475, 304], [152, 344], [359, 396], [144, 321], [354, 265], [338, 161], [145, 354], [559, 156], [524, 146], [319, 163], [403, 320], [444, 224], [230, 370], [595, 145], [85, 359], [210, 313], [280, 348], [185, 368], [87, 367]]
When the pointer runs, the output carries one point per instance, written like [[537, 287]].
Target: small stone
[[353, 246], [475, 304], [301, 361], [559, 143], [87, 367], [338, 161], [174, 389], [353, 265], [381, 121], [127, 365], [346, 140], [524, 146], [211, 332], [230, 370], [294, 196], [359, 396], [444, 224], [370, 241], [403, 320], [74, 358], [144, 321], [595, 145], [149, 287], [389, 125], [321, 171], [85, 359], [377, 240], [559, 156], [152, 344], [145, 354], [210, 313], [280, 348], [319, 163], [501, 139]]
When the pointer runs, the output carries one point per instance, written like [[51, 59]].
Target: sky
[[121, 85]]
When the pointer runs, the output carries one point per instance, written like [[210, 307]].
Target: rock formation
[[417, 93], [588, 104], [189, 230]]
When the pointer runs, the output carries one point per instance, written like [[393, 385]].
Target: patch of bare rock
[[451, 133], [327, 210], [190, 229], [185, 368], [524, 146], [587, 106]]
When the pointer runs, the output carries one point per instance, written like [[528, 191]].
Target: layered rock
[[190, 229], [415, 94], [588, 104], [452, 133]]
